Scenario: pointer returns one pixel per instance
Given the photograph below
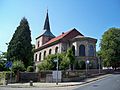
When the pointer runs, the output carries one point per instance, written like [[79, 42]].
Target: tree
[[30, 69], [20, 48], [18, 66], [70, 57], [3, 61], [80, 64], [110, 48]]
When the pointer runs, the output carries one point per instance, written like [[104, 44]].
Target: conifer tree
[[20, 47]]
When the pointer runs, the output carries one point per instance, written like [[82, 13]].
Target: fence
[[76, 75]]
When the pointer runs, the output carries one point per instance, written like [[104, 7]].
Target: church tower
[[46, 34]]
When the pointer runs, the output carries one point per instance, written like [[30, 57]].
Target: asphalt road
[[110, 83]]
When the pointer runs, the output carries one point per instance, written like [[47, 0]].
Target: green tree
[[110, 48], [20, 47], [30, 69], [18, 66], [80, 64], [70, 57], [3, 61], [48, 63]]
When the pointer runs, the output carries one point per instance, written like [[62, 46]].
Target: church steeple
[[46, 29], [46, 24]]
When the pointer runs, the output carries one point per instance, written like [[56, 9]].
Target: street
[[111, 82]]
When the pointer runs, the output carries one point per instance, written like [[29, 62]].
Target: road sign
[[8, 64], [56, 60]]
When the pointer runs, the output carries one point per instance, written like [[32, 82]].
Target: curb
[[19, 86]]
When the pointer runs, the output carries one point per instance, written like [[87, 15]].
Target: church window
[[91, 50], [40, 56], [50, 51], [56, 50], [73, 49], [44, 54], [81, 50], [35, 57]]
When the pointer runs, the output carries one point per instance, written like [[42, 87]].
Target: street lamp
[[87, 62]]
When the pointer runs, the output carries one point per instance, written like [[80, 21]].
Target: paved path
[[110, 83], [50, 86]]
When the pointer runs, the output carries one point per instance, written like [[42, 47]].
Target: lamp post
[[57, 71], [87, 62]]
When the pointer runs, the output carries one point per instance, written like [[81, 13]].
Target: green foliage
[[64, 59], [3, 61], [48, 63], [80, 64], [92, 64], [110, 47], [30, 69], [20, 48], [70, 57], [18, 66]]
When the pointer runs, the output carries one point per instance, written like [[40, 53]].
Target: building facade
[[84, 48]]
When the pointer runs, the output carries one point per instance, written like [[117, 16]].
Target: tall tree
[[110, 48], [70, 57], [20, 47]]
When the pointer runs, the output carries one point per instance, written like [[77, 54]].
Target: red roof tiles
[[57, 38]]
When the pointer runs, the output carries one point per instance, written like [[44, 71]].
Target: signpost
[[56, 60]]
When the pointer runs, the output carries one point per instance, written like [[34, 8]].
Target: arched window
[[40, 56], [73, 49], [44, 54], [56, 50], [81, 50], [35, 57], [91, 50], [38, 43], [50, 51]]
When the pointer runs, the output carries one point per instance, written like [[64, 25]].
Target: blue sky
[[91, 17]]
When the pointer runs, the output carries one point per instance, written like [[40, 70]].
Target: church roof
[[62, 36], [46, 30]]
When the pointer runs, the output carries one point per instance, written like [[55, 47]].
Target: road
[[111, 82]]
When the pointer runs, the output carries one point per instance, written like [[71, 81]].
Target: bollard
[[6, 82], [31, 83]]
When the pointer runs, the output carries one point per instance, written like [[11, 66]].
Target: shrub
[[80, 64], [18, 66], [30, 69]]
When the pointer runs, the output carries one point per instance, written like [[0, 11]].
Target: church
[[84, 48]]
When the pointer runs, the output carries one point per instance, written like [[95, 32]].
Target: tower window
[[38, 43]]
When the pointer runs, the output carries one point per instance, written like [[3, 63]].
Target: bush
[[80, 64], [30, 69], [18, 66]]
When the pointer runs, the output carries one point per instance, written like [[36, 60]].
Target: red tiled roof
[[57, 38]]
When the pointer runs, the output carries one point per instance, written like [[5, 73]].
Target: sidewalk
[[47, 85]]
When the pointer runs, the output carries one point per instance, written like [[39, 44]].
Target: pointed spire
[[46, 24]]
